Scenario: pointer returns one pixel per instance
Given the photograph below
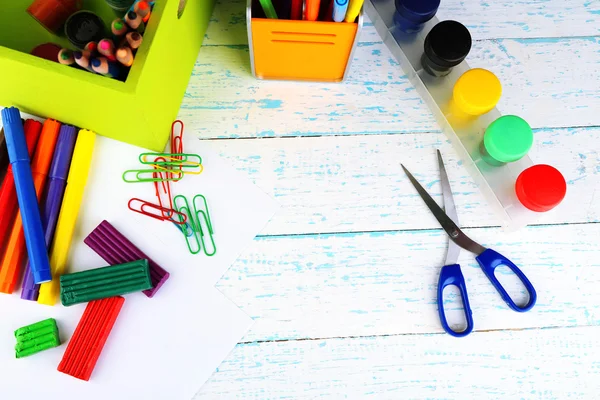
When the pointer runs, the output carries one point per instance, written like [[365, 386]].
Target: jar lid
[[508, 138], [448, 43], [477, 91], [541, 187], [84, 27], [419, 11]]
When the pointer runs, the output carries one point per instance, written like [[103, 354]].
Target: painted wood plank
[[550, 83], [355, 183], [364, 284], [534, 364], [485, 19]]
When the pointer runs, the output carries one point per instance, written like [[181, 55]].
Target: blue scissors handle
[[452, 275], [489, 260]]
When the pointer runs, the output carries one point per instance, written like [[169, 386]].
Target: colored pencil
[[103, 66], [106, 48], [119, 27], [65, 57], [134, 39], [135, 21], [125, 56], [143, 9]]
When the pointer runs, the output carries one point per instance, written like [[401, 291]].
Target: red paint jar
[[541, 187]]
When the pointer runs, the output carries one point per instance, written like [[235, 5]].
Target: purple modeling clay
[[115, 248]]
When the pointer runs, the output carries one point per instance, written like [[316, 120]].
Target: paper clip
[[186, 228], [206, 218], [146, 209], [166, 191], [193, 243], [177, 139], [186, 160], [139, 175]]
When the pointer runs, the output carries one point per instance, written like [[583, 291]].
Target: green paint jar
[[507, 139]]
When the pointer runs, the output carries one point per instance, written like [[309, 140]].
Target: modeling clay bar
[[90, 336], [101, 283], [115, 248], [36, 337]]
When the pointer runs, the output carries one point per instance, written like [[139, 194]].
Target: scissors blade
[[450, 209], [456, 235]]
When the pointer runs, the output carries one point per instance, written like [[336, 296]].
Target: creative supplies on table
[[303, 40], [494, 147]]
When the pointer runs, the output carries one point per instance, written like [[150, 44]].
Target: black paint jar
[[446, 46]]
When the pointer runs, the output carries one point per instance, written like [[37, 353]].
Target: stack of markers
[[312, 10], [113, 56]]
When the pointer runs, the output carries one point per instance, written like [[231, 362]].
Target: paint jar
[[541, 188], [52, 14], [505, 140], [84, 27], [446, 46], [411, 15], [475, 93]]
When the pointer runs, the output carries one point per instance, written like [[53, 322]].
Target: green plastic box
[[139, 111]]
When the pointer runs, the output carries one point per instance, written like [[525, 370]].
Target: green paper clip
[[184, 160], [154, 177], [206, 218], [185, 209]]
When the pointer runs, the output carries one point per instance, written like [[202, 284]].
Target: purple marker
[[53, 196]]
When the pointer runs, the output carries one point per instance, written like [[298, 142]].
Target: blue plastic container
[[411, 15]]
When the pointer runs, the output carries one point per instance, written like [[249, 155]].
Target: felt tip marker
[[312, 9], [69, 210], [8, 192], [339, 10], [30, 213], [53, 197], [15, 256]]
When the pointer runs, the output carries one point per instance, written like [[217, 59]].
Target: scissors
[[488, 259]]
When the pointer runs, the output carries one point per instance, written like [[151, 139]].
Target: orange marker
[[312, 10], [16, 252], [125, 56], [143, 10]]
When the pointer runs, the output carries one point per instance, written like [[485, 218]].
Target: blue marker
[[339, 10], [28, 204]]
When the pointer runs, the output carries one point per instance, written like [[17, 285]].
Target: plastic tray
[[496, 183]]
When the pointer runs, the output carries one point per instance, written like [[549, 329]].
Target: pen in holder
[[299, 49]]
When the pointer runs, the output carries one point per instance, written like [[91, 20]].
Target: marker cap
[[447, 44], [508, 138], [541, 187], [477, 91]]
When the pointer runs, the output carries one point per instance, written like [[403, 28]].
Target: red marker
[[106, 47], [8, 194]]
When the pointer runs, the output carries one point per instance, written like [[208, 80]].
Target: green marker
[[268, 8], [507, 139]]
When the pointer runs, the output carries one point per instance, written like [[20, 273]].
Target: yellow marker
[[353, 10], [476, 92], [59, 254]]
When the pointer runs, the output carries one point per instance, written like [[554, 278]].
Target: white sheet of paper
[[160, 348]]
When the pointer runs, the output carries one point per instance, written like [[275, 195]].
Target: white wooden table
[[342, 282]]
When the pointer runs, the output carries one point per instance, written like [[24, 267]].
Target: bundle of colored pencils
[[113, 57]]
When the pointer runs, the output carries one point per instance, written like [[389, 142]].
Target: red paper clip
[[163, 188], [146, 209], [177, 139]]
